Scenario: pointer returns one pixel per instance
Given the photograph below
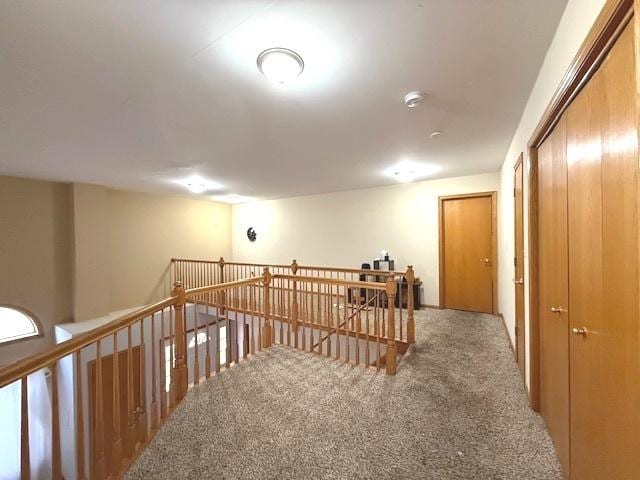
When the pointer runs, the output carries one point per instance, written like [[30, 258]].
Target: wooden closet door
[[602, 161], [554, 289], [467, 231]]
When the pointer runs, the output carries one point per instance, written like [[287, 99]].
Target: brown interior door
[[107, 402], [602, 159], [467, 244], [519, 265], [554, 290]]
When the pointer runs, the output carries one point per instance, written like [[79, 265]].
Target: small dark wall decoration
[[251, 234]]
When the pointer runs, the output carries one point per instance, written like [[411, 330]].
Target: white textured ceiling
[[135, 94]]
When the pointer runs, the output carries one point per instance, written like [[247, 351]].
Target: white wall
[[576, 22], [348, 228]]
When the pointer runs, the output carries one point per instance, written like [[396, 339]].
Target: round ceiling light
[[413, 99], [280, 65]]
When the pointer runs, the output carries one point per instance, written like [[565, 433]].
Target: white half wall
[[578, 17], [348, 228]]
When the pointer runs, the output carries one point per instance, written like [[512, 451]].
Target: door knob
[[485, 260], [520, 281], [579, 331], [557, 309]]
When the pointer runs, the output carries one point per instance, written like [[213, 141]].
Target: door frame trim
[[519, 162], [494, 241], [609, 25]]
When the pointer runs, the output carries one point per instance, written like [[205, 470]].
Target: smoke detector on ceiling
[[413, 99]]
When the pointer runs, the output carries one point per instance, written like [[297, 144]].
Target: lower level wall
[[35, 255], [349, 228]]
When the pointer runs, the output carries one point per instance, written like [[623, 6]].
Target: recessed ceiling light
[[233, 198], [198, 184], [413, 99], [408, 171], [436, 134], [280, 65]]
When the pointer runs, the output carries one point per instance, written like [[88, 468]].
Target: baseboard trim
[[433, 307], [506, 330]]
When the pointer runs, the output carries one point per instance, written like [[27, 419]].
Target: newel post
[[180, 367], [266, 331], [223, 294], [392, 349], [411, 323], [294, 306]]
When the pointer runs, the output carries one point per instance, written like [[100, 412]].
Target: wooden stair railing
[[195, 273], [122, 380]]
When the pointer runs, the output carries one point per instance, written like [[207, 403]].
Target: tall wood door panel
[[467, 243], [554, 289], [518, 281], [602, 161], [126, 414]]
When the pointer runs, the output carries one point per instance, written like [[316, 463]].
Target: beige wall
[[35, 255], [576, 21], [75, 252], [90, 247], [348, 228], [148, 230]]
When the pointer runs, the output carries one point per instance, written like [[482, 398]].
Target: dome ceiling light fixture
[[280, 65], [413, 99]]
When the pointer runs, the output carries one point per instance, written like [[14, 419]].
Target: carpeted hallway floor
[[455, 410]]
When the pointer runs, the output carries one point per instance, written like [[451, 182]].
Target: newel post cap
[[294, 266], [221, 262], [267, 276], [410, 275], [391, 286]]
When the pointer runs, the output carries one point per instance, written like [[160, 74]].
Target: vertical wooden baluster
[[272, 311], [218, 320], [131, 413], [172, 359], [207, 360], [294, 307], [245, 325], [267, 337], [259, 309], [253, 324], [196, 360], [222, 294], [338, 319], [348, 311], [116, 450], [99, 462], [319, 316], [80, 469], [330, 316], [358, 324], [25, 460], [56, 456], [227, 323], [391, 333], [155, 414], [399, 298], [180, 369], [163, 369], [411, 325], [377, 323], [142, 416], [367, 346]]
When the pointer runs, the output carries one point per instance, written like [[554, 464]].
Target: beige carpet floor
[[456, 410]]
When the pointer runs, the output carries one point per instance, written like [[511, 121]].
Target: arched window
[[17, 324]]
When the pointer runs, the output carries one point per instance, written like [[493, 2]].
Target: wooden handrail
[[14, 371], [224, 286], [334, 281], [379, 273]]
